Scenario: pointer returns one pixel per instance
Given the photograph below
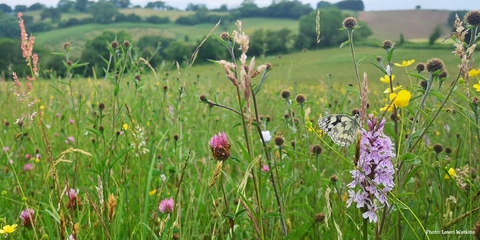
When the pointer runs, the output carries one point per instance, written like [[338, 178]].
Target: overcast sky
[[370, 5]]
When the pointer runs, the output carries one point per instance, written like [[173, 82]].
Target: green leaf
[[352, 89], [345, 43], [410, 158], [416, 75], [390, 53], [375, 64]]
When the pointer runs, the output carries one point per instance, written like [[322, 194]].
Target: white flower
[[266, 136]]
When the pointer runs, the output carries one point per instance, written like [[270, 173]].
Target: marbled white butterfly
[[341, 128]]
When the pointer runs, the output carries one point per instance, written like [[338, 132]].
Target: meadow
[[232, 150]]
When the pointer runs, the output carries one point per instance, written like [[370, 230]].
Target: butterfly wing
[[342, 129]]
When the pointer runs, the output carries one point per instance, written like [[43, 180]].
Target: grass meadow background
[[151, 142]]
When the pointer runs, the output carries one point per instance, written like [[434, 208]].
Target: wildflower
[[27, 167], [73, 199], [152, 192], [374, 171], [27, 217], [266, 136], [70, 139], [387, 79], [166, 205], [316, 149], [220, 146], [320, 217], [420, 67], [401, 99], [300, 99], [28, 156], [6, 149], [451, 174], [285, 94], [477, 86], [7, 229], [387, 44], [438, 148], [71, 121], [265, 168], [42, 107], [58, 115], [474, 72], [405, 63], [125, 126]]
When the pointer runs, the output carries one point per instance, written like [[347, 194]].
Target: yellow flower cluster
[[405, 63], [475, 73]]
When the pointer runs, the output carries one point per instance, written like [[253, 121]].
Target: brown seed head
[[443, 74], [316, 149], [473, 18], [126, 44], [355, 111], [379, 58], [268, 118], [420, 67], [334, 178], [387, 44], [285, 94], [438, 148], [434, 64], [175, 137], [300, 99], [101, 106], [279, 141], [423, 84], [350, 23], [203, 98], [114, 44], [319, 217], [67, 46], [69, 63], [224, 35], [448, 150]]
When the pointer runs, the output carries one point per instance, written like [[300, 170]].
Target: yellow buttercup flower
[[7, 229], [451, 174], [151, 193], [405, 63], [477, 86], [389, 109], [474, 72], [42, 107], [388, 90], [387, 79], [125, 126], [401, 99]]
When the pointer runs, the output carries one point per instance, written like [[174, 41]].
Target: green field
[[96, 158]]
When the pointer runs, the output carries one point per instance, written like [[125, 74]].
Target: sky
[[370, 5]]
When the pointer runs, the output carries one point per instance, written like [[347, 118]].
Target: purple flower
[[374, 172], [28, 156], [166, 205], [27, 167], [70, 139], [71, 121], [220, 146], [27, 217]]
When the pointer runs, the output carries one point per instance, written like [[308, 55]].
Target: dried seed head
[[285, 94], [224, 35], [279, 141], [448, 150], [334, 178], [203, 98], [434, 64], [387, 44], [300, 99], [268, 118], [126, 44], [319, 217], [438, 148], [379, 58], [350, 23], [114, 44], [443, 74], [316, 149], [473, 18], [101, 106], [420, 67], [67, 46], [423, 84]]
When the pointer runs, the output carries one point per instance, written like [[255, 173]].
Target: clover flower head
[[220, 146], [27, 217], [166, 205]]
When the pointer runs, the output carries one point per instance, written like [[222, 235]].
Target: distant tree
[[437, 32], [103, 12], [222, 8], [324, 4], [20, 8], [402, 40], [53, 13], [128, 18], [355, 5], [121, 3], [11, 59], [36, 6], [418, 7], [81, 5], [160, 5], [179, 51], [157, 19], [9, 28], [330, 20], [5, 8], [66, 6], [195, 7]]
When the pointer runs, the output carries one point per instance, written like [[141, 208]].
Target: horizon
[[370, 5]]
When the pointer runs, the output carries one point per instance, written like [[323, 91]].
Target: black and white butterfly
[[341, 128]]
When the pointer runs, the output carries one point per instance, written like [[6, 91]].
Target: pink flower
[[71, 194], [6, 149], [71, 121], [220, 146], [58, 115], [27, 217], [166, 205], [70, 139], [265, 168], [28, 156], [28, 167]]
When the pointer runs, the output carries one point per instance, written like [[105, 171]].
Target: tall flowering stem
[[374, 173]]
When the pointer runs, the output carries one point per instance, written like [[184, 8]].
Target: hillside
[[413, 24]]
